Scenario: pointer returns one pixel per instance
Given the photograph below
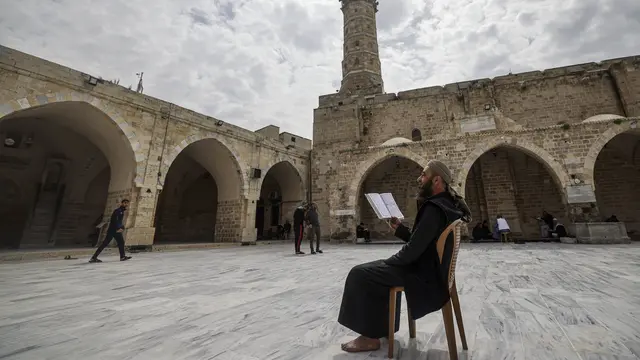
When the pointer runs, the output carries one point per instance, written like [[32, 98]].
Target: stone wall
[[154, 132], [531, 100], [567, 153]]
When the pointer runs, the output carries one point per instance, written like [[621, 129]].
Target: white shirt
[[502, 224]]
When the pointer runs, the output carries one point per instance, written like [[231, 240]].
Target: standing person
[[298, 227], [417, 267], [314, 227], [115, 229], [287, 228]]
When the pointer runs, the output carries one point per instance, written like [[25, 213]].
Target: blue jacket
[[117, 219]]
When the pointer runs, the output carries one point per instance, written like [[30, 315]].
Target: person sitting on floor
[[477, 232], [417, 267], [363, 233]]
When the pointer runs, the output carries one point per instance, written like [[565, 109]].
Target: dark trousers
[[314, 231], [111, 235], [298, 232], [365, 300]]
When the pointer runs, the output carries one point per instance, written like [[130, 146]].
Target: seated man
[[477, 232], [363, 233], [486, 233], [365, 301]]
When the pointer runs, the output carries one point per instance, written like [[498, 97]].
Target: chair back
[[454, 228]]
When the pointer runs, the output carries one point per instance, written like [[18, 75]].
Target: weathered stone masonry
[[532, 139], [133, 141]]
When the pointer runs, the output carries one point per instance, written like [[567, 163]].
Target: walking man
[[314, 227], [298, 227], [115, 229]]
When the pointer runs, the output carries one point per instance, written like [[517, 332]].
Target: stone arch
[[76, 136], [15, 107], [204, 192], [599, 144], [382, 174], [508, 183], [612, 169], [556, 170], [286, 168], [283, 179], [173, 153]]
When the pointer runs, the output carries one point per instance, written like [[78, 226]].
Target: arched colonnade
[[67, 160], [517, 179]]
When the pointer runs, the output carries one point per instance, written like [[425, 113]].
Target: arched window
[[356, 62], [416, 135], [357, 43]]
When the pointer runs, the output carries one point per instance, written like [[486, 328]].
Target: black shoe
[[299, 252], [125, 258], [95, 260], [319, 251], [313, 252]]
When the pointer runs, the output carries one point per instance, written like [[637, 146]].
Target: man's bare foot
[[361, 344]]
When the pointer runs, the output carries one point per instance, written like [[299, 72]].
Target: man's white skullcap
[[440, 169]]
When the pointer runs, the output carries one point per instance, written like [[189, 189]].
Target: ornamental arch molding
[[599, 144], [127, 132], [558, 173], [374, 160], [172, 154]]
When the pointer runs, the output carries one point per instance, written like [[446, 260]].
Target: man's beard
[[424, 192]]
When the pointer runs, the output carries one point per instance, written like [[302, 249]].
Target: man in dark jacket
[[313, 221], [115, 229], [298, 227], [365, 301]]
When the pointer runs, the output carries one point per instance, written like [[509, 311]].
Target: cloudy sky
[[260, 62]]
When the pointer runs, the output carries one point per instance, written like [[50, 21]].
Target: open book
[[384, 205]]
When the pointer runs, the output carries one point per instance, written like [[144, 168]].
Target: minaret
[[361, 72]]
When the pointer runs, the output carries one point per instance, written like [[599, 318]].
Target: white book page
[[378, 205], [391, 205]]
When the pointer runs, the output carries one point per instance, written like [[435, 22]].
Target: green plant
[[617, 121]]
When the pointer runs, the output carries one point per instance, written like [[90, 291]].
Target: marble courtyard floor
[[534, 301]]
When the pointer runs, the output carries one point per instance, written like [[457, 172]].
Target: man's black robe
[[417, 267]]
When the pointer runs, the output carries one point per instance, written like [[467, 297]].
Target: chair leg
[[412, 324], [447, 316], [392, 321], [455, 301]]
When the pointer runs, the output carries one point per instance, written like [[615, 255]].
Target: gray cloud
[[200, 17], [256, 62]]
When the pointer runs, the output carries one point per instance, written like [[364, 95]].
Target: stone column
[[249, 231], [140, 230], [230, 220]]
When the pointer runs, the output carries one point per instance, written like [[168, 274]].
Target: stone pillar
[[249, 231], [140, 230], [230, 219]]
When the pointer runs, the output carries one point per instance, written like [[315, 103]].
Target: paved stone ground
[[539, 301]]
